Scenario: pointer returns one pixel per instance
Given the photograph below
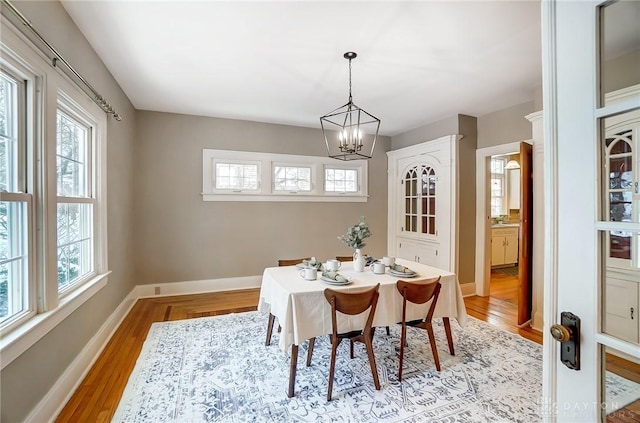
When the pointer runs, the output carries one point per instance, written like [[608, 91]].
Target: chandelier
[[350, 132]]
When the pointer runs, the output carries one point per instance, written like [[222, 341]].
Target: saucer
[[334, 282], [403, 275]]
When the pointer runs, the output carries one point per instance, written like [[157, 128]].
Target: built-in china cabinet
[[422, 202], [620, 155]]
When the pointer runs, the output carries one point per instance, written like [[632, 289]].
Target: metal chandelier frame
[[344, 126]]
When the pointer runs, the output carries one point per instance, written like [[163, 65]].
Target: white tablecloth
[[303, 312]]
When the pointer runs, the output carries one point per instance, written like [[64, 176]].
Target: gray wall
[[26, 380], [621, 72], [426, 132], [179, 237], [467, 127], [505, 126]]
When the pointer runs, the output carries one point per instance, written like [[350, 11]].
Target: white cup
[[310, 273], [378, 268], [332, 265], [388, 261]]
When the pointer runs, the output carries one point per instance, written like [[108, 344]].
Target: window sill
[[20, 339], [339, 198]]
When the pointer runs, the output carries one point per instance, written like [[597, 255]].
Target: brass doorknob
[[560, 333]]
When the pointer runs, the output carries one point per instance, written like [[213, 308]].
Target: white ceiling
[[281, 62]]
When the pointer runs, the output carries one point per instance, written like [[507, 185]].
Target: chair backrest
[[419, 292], [352, 303], [291, 262], [344, 258]]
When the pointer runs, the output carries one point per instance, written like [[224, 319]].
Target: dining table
[[303, 312]]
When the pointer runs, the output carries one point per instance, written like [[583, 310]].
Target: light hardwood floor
[[97, 397]]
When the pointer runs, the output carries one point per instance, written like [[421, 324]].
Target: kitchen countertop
[[505, 225]]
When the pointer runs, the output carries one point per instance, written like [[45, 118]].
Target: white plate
[[301, 266], [404, 275], [333, 282]]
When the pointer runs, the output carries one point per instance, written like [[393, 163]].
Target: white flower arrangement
[[356, 234]]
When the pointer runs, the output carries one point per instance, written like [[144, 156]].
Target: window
[[291, 178], [75, 241], [53, 237], [250, 176], [340, 180], [237, 176], [498, 191], [14, 205]]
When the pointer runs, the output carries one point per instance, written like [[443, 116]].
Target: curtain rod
[[97, 97]]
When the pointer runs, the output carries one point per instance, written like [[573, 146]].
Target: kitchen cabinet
[[421, 252], [504, 245], [621, 200], [621, 299]]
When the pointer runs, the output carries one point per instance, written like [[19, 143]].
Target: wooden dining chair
[[419, 292], [350, 303], [272, 318], [292, 262], [350, 258]]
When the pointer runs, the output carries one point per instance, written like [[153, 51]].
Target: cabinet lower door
[[497, 250], [511, 249], [621, 309]]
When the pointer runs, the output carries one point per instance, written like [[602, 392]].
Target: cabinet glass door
[[620, 183], [420, 200]]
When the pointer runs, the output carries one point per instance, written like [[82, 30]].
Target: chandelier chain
[[350, 98]]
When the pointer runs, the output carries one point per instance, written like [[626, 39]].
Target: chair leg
[[432, 341], [351, 349], [403, 340], [312, 342], [372, 362], [292, 369], [332, 367], [388, 333], [272, 319], [447, 329]]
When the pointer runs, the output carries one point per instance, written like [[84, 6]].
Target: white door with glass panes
[[591, 247]]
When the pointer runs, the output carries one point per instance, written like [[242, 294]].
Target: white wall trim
[[54, 401], [58, 396], [550, 113], [468, 289], [198, 287]]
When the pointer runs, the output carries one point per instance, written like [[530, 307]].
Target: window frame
[[341, 167], [46, 86], [217, 161], [267, 163], [504, 178], [298, 166]]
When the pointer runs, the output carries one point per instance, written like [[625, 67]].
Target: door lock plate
[[568, 334]]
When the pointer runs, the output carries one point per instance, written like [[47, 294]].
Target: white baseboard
[[54, 401], [468, 289], [198, 287], [58, 396]]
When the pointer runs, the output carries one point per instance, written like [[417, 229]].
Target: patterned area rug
[[217, 369]]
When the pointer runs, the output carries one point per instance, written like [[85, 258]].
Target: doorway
[[504, 189], [503, 230]]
